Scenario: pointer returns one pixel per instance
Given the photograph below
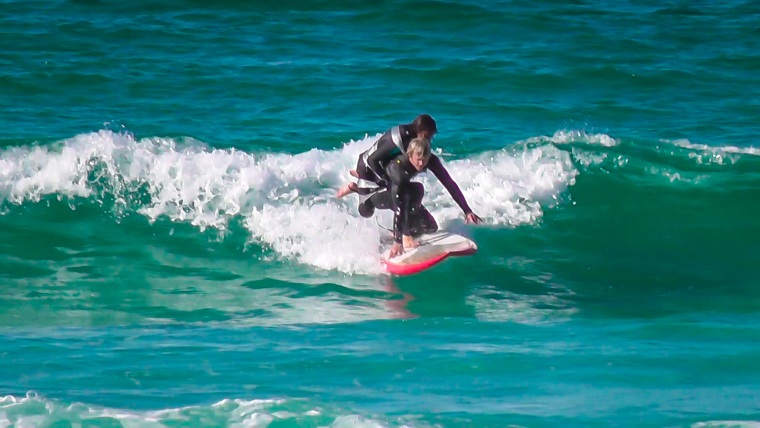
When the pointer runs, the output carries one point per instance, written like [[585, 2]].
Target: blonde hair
[[419, 147]]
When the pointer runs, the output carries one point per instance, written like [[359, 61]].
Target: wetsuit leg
[[422, 221], [416, 192], [381, 200], [365, 174]]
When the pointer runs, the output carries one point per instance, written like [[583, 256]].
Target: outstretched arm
[[440, 172]]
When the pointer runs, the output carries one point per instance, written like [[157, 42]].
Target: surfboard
[[433, 249]]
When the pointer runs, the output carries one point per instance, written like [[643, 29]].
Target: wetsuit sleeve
[[384, 152], [400, 196], [436, 167]]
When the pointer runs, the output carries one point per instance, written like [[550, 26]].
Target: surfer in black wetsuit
[[371, 164], [411, 218]]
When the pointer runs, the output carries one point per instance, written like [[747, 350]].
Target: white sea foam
[[575, 136], [568, 136], [285, 201], [727, 424], [723, 155], [34, 411]]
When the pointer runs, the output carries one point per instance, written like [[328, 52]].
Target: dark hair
[[424, 122]]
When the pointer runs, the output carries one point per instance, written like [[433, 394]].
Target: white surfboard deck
[[433, 249]]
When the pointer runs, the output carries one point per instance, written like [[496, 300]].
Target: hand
[[409, 242], [472, 218], [396, 249]]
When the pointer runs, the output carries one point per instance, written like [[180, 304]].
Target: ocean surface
[[172, 254]]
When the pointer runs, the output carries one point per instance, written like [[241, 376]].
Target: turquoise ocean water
[[171, 254]]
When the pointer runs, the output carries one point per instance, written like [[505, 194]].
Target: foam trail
[[576, 136], [706, 155], [34, 410], [285, 201]]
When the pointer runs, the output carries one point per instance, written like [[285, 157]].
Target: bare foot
[[345, 190], [409, 242], [354, 173]]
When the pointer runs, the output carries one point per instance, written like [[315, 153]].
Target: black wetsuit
[[372, 163], [405, 197]]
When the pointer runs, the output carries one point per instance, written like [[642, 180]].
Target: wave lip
[[285, 201]]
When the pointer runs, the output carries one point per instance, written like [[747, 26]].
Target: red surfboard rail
[[433, 249]]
